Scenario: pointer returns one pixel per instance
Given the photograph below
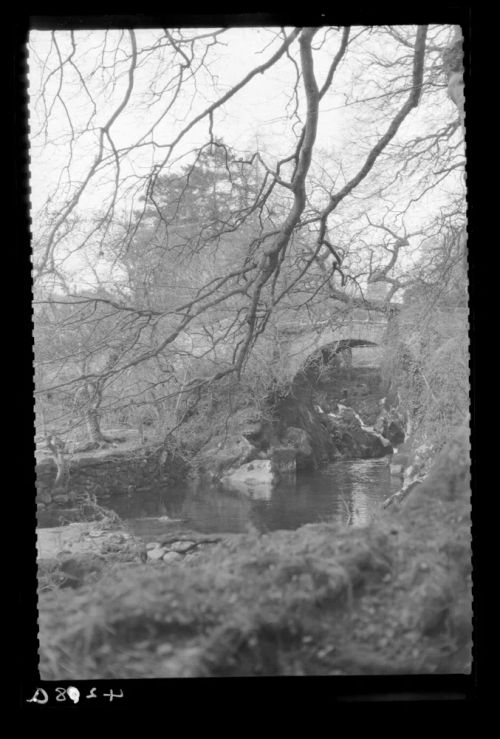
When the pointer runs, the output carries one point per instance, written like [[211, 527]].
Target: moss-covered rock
[[299, 440], [221, 454]]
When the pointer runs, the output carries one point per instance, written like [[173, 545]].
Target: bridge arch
[[338, 349], [297, 347]]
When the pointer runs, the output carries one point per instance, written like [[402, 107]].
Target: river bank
[[392, 597], [390, 593], [236, 446]]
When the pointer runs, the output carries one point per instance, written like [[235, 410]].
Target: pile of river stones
[[174, 550]]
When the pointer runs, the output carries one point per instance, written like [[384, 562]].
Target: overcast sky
[[260, 114]]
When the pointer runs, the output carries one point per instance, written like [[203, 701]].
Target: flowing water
[[347, 491]]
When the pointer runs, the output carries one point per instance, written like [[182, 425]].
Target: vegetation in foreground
[[390, 598]]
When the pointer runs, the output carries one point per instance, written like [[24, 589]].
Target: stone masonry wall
[[116, 473]]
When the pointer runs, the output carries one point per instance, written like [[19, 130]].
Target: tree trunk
[[88, 399], [56, 446], [453, 64], [93, 426], [85, 399], [158, 408]]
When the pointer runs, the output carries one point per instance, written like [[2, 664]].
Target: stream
[[345, 491]]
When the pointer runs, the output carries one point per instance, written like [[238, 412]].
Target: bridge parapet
[[358, 315]]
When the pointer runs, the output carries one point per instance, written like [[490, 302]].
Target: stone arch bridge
[[298, 341]]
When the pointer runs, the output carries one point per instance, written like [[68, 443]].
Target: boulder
[[181, 546], [255, 479], [348, 416], [368, 445], [297, 410], [156, 554], [172, 556], [299, 440], [391, 424], [395, 432], [353, 439], [283, 461], [380, 424], [398, 463], [215, 458], [247, 422]]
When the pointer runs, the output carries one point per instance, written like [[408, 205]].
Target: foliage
[[427, 363]]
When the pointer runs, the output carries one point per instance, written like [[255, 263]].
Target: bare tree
[[198, 250]]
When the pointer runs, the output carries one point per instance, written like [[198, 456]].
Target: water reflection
[[343, 491]]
